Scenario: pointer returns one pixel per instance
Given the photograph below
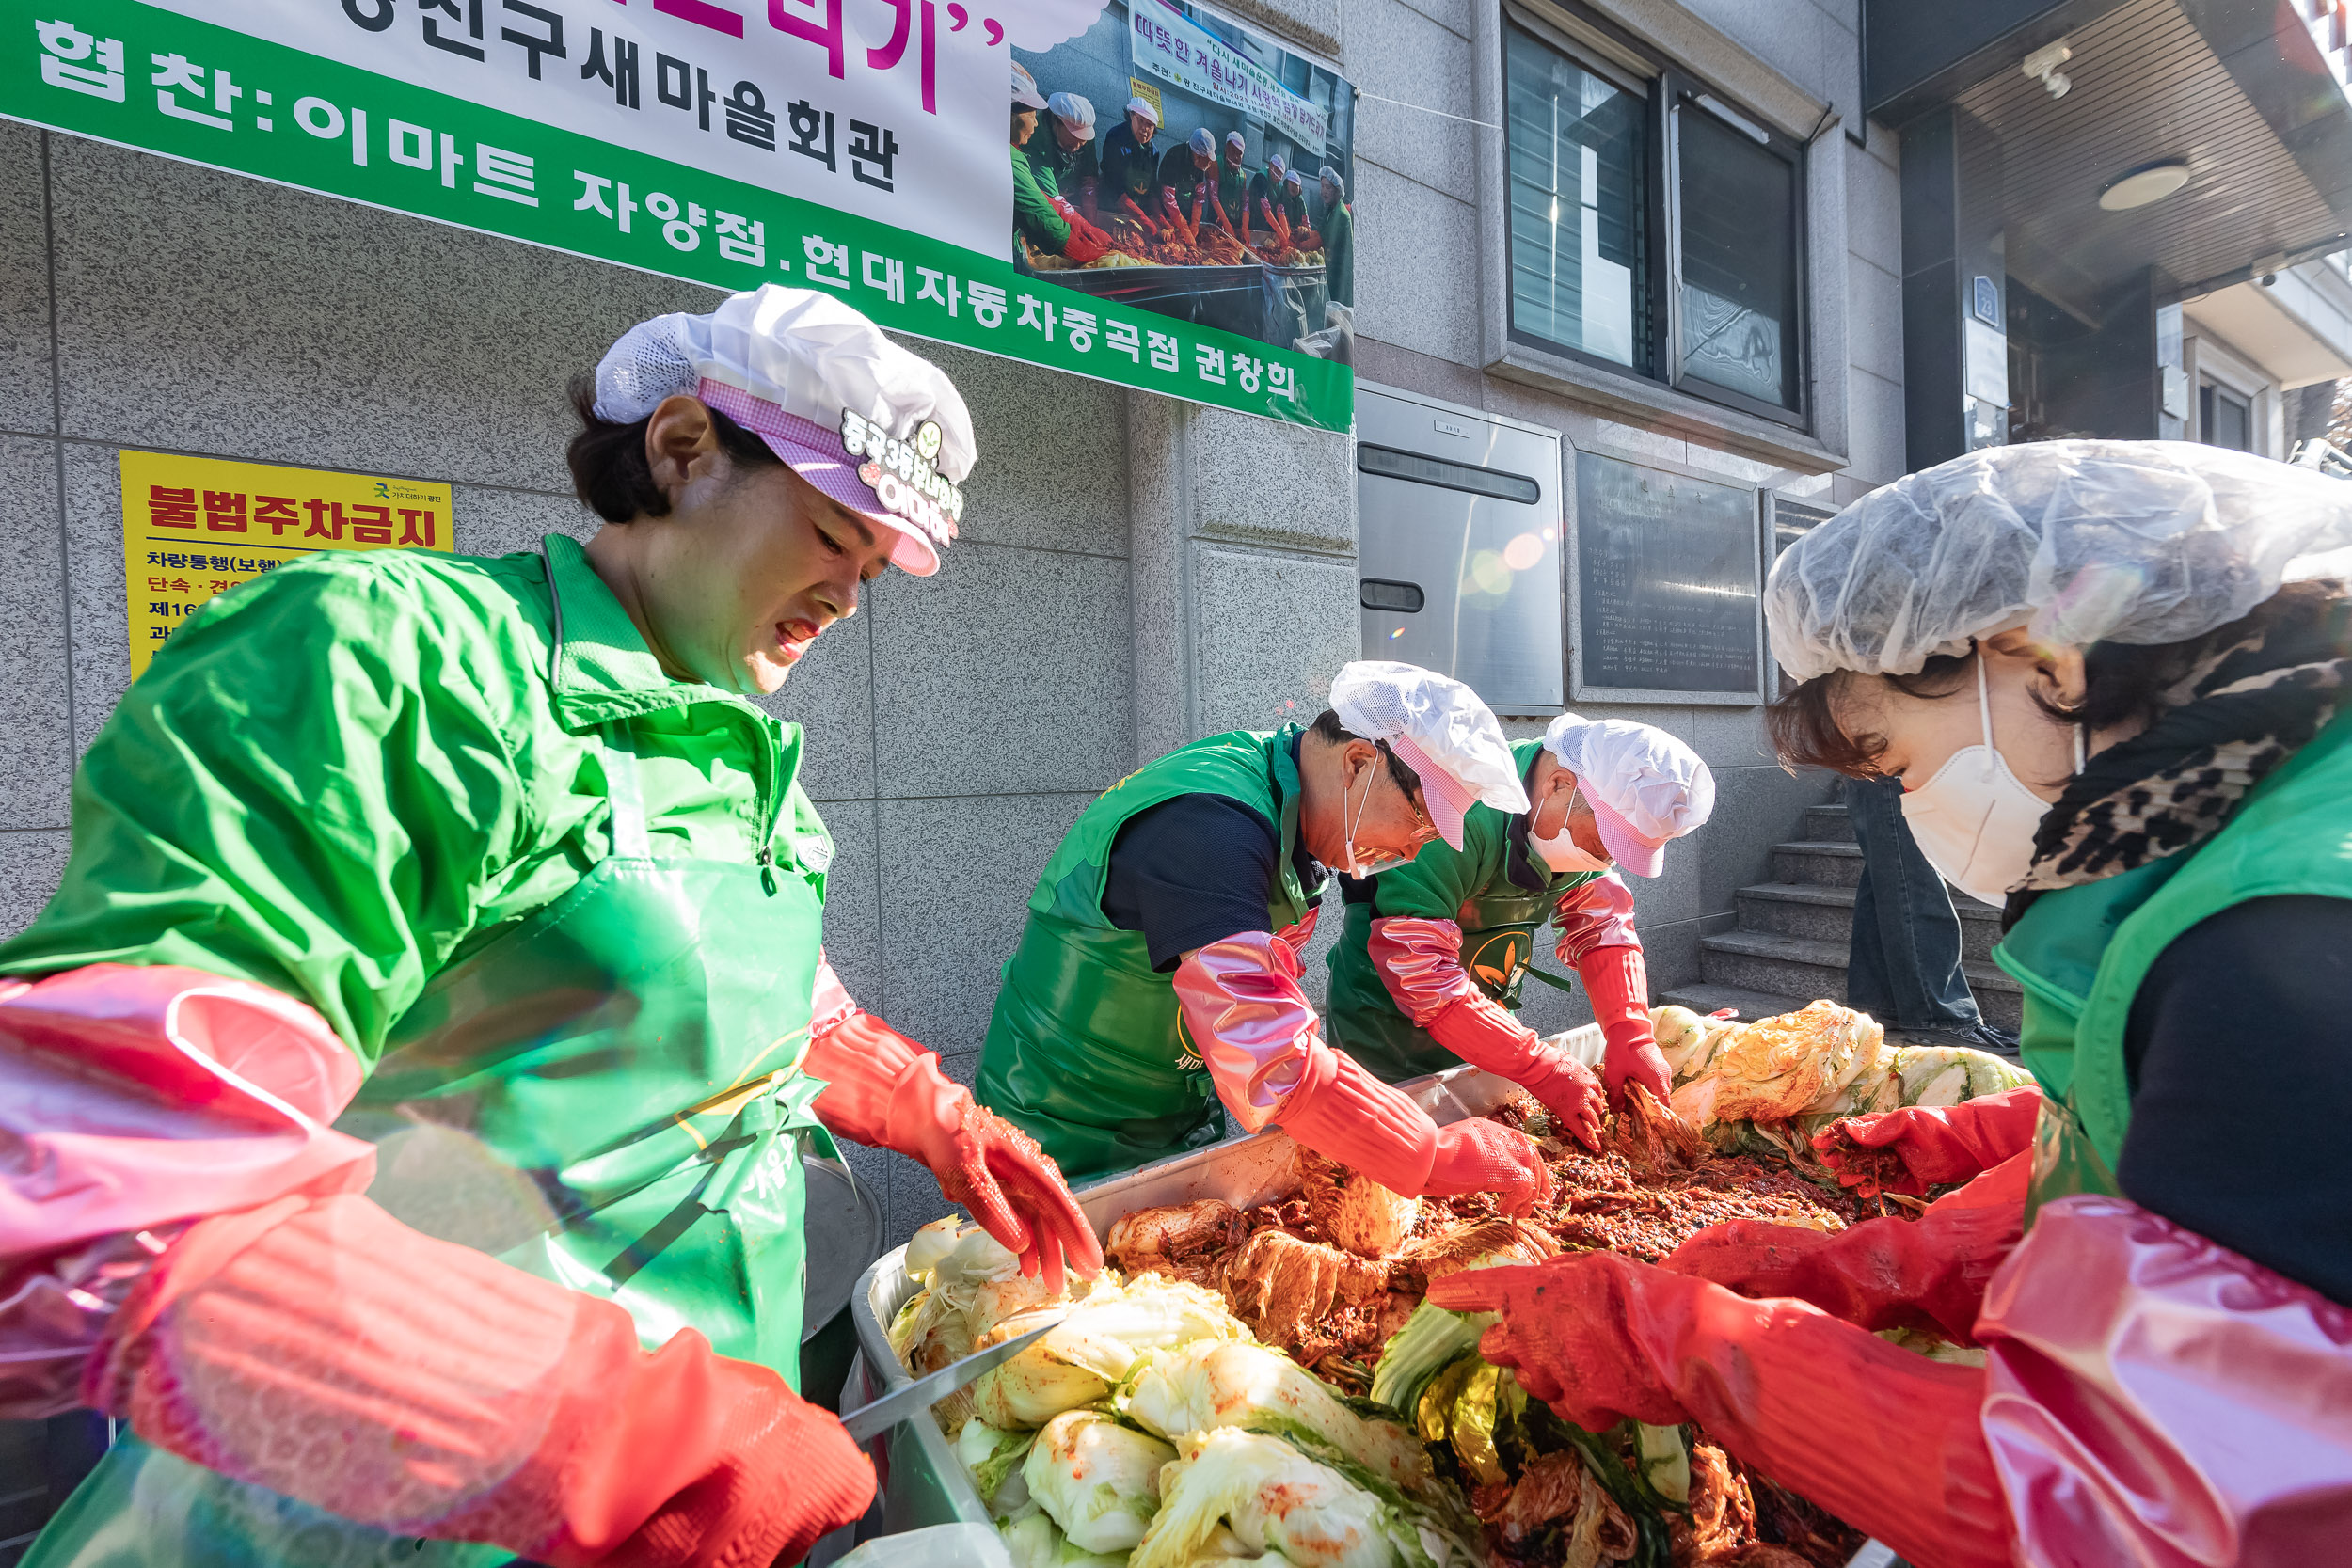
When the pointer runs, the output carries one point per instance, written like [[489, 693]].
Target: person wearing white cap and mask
[[1158, 977], [1338, 228], [1130, 164], [1428, 969], [2112, 676], [1265, 194], [1188, 174], [1043, 218], [1061, 153], [1233, 180], [509, 872]]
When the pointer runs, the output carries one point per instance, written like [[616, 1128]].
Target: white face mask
[[1975, 820], [1562, 853], [1355, 867]]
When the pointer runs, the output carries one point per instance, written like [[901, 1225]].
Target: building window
[[1654, 229], [2224, 419], [1579, 220]]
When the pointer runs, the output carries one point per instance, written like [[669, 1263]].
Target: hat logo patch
[[904, 475]]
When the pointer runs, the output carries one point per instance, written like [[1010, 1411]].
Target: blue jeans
[[1904, 967]]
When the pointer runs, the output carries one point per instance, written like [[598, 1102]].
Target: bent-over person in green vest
[[493, 862], [1338, 228], [1155, 987], [2112, 677], [1427, 971]]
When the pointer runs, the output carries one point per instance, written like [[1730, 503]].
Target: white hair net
[[801, 349], [1649, 778], [1380, 699], [2141, 542]]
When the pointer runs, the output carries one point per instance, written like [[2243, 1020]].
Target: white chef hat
[[1643, 785], [1074, 111], [1441, 730], [1235, 139], [825, 390], [2140, 542], [1202, 142], [1276, 166], [1025, 91], [1142, 105]]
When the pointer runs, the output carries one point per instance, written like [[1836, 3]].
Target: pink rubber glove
[[882, 1090], [1883, 1438], [1918, 1146], [1618, 984], [1930, 1272], [322, 1349]]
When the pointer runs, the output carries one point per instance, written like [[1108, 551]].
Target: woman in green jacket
[[2112, 677], [485, 878]]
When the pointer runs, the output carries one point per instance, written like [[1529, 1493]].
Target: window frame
[[1671, 89], [1684, 92]]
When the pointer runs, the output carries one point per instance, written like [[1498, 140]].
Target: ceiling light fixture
[[2137, 187]]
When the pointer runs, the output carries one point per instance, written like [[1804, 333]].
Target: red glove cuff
[[1345, 1114], [865, 1063], [1483, 1033], [1618, 983]]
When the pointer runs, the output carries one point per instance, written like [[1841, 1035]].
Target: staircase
[[1791, 944]]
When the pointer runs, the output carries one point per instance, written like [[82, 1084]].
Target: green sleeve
[[1434, 884], [304, 789], [1033, 216]]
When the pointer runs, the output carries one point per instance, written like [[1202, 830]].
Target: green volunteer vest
[[1498, 920], [2082, 953], [1086, 1048]]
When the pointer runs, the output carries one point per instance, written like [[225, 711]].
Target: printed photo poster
[[1204, 177], [847, 145], [194, 527]]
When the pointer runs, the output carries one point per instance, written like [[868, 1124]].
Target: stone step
[[1818, 862], [1826, 914], [1828, 825], [1778, 965]]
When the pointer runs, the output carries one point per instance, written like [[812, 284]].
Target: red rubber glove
[[1420, 964], [1085, 243], [1920, 1146], [1344, 1114], [1618, 984], [1929, 1273], [320, 1349], [1886, 1440], [1482, 1156], [1480, 1030], [882, 1088]]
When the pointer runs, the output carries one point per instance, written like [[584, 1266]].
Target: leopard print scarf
[[2226, 724]]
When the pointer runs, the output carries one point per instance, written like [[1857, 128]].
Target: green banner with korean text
[[539, 141]]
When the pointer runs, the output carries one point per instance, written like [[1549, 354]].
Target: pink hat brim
[[1446, 800], [795, 442], [1643, 857]]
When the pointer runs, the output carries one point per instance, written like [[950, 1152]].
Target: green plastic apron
[[2082, 953], [1086, 1048], [617, 1081]]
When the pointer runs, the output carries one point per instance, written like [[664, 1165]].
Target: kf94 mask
[[1975, 820], [1561, 853]]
